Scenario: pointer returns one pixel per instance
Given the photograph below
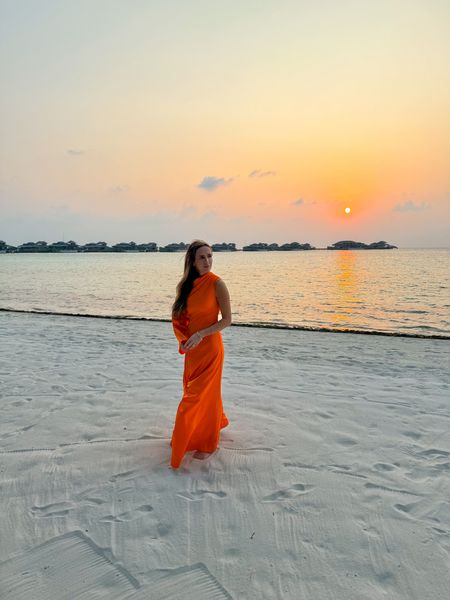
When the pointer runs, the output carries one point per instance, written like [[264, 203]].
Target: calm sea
[[394, 291]]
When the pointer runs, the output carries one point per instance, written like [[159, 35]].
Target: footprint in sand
[[298, 489], [120, 476], [346, 441], [441, 531], [59, 509], [374, 486], [412, 434], [383, 467], [200, 494], [435, 453], [91, 495], [94, 500], [405, 508], [324, 415], [127, 516]]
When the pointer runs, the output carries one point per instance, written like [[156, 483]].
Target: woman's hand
[[193, 341]]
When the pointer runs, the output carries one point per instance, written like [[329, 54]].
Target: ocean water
[[392, 291]]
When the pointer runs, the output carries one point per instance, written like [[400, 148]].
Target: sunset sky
[[239, 121]]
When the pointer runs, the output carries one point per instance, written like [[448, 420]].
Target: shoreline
[[257, 325]]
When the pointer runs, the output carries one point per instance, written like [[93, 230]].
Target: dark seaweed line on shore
[[256, 325]]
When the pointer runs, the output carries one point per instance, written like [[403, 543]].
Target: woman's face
[[203, 260]]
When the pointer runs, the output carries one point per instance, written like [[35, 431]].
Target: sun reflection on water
[[346, 275]]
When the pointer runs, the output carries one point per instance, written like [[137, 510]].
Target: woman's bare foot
[[202, 455]]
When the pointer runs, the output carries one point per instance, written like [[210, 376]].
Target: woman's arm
[[180, 328], [223, 298]]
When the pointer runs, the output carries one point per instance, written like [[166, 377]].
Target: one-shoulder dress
[[200, 415]]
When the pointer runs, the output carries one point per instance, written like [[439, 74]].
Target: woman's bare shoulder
[[221, 287]]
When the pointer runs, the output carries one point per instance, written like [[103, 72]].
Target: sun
[[347, 210]]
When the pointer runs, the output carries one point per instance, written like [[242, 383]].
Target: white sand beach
[[332, 480]]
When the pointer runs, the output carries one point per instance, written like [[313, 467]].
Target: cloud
[[211, 183], [119, 189], [410, 206], [73, 152], [259, 173], [302, 202]]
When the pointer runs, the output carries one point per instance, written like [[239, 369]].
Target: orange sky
[[162, 121]]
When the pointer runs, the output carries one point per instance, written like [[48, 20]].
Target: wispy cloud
[[118, 189], [74, 152], [410, 206], [211, 183], [259, 173]]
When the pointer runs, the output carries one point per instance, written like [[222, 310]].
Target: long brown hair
[[190, 274]]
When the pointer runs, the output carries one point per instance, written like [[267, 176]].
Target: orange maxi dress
[[200, 415]]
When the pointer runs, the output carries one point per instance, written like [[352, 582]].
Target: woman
[[200, 296]]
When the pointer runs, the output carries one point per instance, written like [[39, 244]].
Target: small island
[[224, 247], [258, 247], [351, 245], [174, 247]]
